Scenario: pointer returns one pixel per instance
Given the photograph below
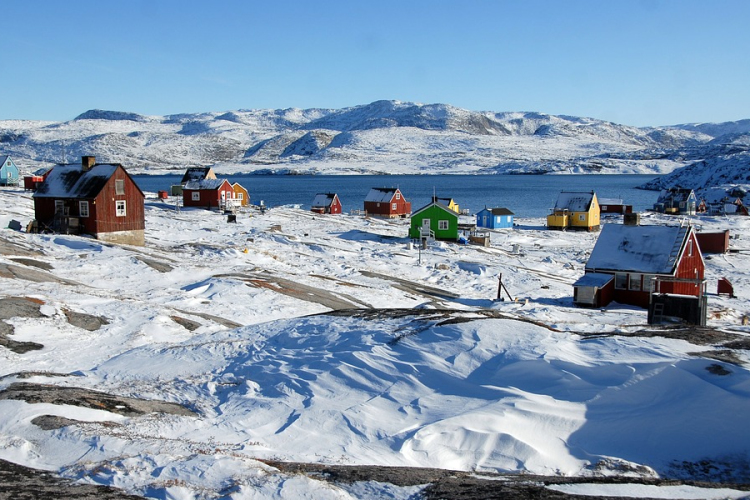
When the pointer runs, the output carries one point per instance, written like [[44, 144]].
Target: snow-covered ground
[[331, 339]]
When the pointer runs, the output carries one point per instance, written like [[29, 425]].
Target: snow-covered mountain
[[382, 137]]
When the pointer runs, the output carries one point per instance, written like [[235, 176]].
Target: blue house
[[8, 172], [495, 218]]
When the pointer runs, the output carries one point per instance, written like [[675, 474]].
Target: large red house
[[387, 202], [100, 199], [629, 263], [207, 193]]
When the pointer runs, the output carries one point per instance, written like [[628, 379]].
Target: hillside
[[293, 355], [382, 137]]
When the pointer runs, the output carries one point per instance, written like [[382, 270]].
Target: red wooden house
[[326, 203], [100, 199], [387, 202], [639, 261], [207, 193]]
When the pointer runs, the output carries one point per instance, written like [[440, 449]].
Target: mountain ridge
[[382, 137]]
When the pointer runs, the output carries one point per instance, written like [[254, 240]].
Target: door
[[425, 232]]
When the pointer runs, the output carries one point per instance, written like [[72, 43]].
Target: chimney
[[87, 162]]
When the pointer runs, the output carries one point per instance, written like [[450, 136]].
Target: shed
[[648, 259], [387, 202], [207, 193], [495, 218], [614, 206], [715, 242], [594, 290], [100, 199], [434, 221], [9, 175], [326, 203], [575, 210]]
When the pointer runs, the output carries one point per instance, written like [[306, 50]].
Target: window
[[83, 208], [119, 186], [196, 196], [621, 281], [635, 282], [690, 248], [443, 225], [120, 208], [398, 196], [395, 206], [59, 206], [581, 217], [240, 196], [648, 282]]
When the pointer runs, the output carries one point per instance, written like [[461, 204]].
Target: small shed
[[614, 206], [9, 175], [716, 242], [495, 218], [387, 202], [207, 193], [326, 203], [575, 210], [434, 221], [448, 202], [594, 290], [241, 195]]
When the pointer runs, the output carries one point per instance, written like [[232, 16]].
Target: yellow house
[[575, 210], [241, 194], [448, 202]]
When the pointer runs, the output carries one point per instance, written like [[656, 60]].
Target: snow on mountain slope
[[439, 138]]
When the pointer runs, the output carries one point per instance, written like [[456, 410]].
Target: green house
[[434, 221]]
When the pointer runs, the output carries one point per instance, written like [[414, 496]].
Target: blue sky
[[634, 62]]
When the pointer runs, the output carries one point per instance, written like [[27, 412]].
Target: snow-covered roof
[[204, 184], [641, 249], [323, 199], [196, 174], [610, 201], [71, 181], [574, 201], [594, 279], [381, 195]]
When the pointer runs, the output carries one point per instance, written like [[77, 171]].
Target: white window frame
[[59, 206], [119, 186], [196, 196], [83, 208], [649, 283], [120, 208], [394, 207], [398, 196], [443, 225]]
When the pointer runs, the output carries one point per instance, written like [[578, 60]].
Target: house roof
[[381, 194], [610, 201], [204, 184], [498, 211], [642, 249], [434, 204], [195, 174], [3, 159], [71, 181], [675, 195], [594, 279], [574, 201], [323, 199]]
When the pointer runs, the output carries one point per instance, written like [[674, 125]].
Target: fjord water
[[525, 195]]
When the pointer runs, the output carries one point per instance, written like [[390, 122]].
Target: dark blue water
[[525, 195]]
